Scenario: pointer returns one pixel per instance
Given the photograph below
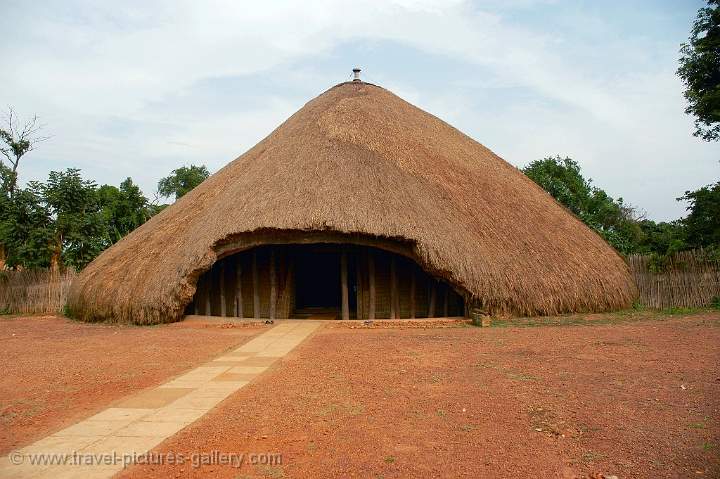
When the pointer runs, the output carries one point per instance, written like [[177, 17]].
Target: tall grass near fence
[[34, 291], [689, 279]]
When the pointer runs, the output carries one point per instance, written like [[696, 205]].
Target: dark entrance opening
[[317, 279], [314, 280]]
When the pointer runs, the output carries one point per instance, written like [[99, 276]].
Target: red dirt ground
[[56, 371], [626, 398]]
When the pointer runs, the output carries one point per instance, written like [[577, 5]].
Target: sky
[[139, 88]]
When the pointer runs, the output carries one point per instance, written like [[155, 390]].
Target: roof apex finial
[[356, 74]]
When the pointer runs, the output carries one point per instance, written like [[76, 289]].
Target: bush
[[715, 303]]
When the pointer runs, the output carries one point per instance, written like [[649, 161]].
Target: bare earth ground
[[56, 372], [619, 396]]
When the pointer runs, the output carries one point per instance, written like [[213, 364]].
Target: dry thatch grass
[[360, 160], [34, 291]]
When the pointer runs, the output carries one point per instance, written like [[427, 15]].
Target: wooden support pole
[[273, 284], [344, 285], [358, 287], [196, 299], [208, 289], [238, 288], [256, 286], [289, 288], [433, 298], [394, 313], [445, 300], [371, 280], [412, 293], [223, 306]]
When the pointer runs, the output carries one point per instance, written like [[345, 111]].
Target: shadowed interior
[[333, 281]]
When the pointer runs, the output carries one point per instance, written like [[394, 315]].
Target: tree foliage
[[617, 222], [26, 229], [78, 227], [123, 209], [702, 224], [67, 221], [700, 71], [182, 181]]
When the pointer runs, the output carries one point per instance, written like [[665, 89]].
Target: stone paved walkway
[[99, 446]]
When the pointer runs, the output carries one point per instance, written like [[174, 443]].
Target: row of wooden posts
[[345, 294]]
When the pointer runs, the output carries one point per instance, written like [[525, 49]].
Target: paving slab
[[254, 370], [89, 428], [154, 398], [235, 377], [160, 429], [259, 361], [120, 414]]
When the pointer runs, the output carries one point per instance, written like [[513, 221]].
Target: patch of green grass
[[274, 472], [707, 446], [617, 317], [345, 409], [521, 377], [390, 459], [591, 456], [677, 310], [354, 409], [715, 303], [697, 425], [620, 342], [441, 413], [486, 365], [467, 427], [417, 413]]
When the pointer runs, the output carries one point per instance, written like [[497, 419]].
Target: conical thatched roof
[[360, 160]]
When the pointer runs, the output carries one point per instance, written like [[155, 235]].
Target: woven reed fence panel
[[34, 291], [689, 280]]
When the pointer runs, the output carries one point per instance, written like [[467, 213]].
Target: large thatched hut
[[360, 205]]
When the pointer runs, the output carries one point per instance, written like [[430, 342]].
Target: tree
[[700, 71], [26, 229], [5, 205], [663, 238], [702, 224], [16, 140], [613, 219], [182, 181], [123, 209], [67, 221], [78, 222]]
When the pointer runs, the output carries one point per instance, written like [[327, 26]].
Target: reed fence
[[688, 279], [34, 291]]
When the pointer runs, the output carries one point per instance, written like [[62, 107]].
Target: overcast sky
[[138, 88]]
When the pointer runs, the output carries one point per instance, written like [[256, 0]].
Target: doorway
[[317, 280]]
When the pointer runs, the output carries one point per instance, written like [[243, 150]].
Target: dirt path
[[637, 399], [57, 371]]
